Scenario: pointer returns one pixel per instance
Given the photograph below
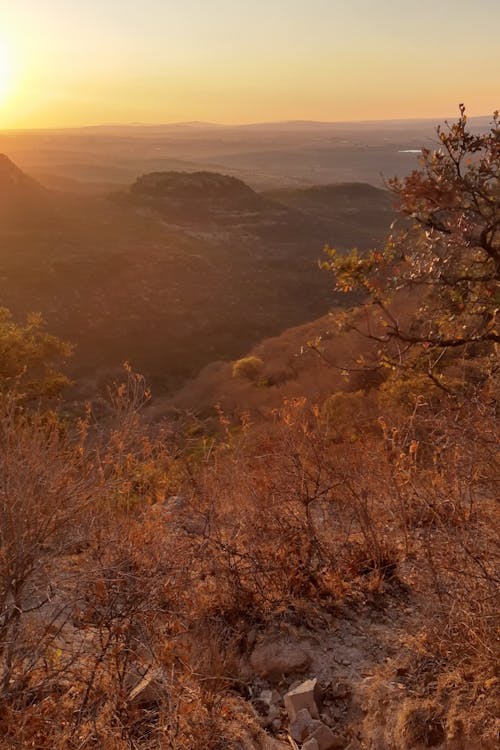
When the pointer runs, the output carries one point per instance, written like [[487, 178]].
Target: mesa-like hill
[[196, 187], [209, 201], [177, 271]]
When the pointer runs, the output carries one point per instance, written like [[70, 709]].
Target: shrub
[[249, 368], [447, 256], [30, 358], [348, 415]]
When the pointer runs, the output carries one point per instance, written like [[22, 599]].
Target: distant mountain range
[[478, 121]]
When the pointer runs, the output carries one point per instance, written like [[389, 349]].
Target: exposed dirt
[[376, 686]]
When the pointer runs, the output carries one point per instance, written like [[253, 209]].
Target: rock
[[305, 695], [311, 744], [340, 690], [327, 717], [268, 705], [326, 739], [276, 725], [266, 696], [330, 716], [272, 659], [261, 706], [301, 726], [276, 697], [273, 718]]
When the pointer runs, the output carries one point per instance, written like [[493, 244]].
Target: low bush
[[249, 368]]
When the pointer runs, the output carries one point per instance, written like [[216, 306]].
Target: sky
[[84, 62]]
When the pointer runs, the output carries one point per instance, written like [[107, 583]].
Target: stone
[[310, 745], [301, 726], [326, 739], [266, 696], [328, 716], [339, 690], [273, 717], [306, 695], [261, 707], [331, 715], [276, 697], [272, 659]]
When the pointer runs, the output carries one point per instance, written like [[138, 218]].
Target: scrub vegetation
[[146, 564]]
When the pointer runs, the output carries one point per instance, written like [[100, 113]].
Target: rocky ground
[[356, 683], [349, 665]]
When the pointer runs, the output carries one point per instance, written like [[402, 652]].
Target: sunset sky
[[80, 62]]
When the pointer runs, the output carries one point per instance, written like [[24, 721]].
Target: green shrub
[[346, 414], [249, 368]]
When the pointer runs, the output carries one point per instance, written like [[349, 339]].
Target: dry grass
[[137, 562]]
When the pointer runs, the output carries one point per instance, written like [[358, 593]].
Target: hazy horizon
[[74, 64], [250, 124]]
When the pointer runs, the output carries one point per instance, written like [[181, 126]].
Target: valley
[[176, 269]]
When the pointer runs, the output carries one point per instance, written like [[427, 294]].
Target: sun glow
[[5, 73]]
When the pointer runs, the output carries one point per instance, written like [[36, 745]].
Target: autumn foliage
[[447, 255]]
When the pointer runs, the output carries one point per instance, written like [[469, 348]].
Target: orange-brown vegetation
[[160, 579], [136, 576]]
